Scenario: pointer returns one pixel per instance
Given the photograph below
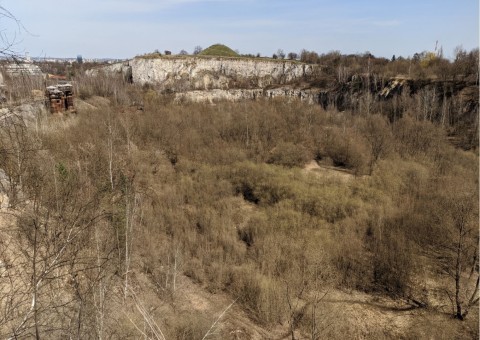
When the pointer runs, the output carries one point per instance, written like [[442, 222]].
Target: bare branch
[[212, 328]]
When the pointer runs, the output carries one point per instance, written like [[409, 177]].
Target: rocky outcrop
[[216, 73], [311, 96], [210, 96], [124, 69], [179, 74], [23, 69]]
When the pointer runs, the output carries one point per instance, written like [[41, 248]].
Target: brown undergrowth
[[179, 210]]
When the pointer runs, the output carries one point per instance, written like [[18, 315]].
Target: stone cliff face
[[123, 69], [178, 74], [310, 96]]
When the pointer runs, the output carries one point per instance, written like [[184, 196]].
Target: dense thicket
[[427, 85], [218, 193]]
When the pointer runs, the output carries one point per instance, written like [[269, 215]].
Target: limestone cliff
[[311, 96], [178, 74], [122, 68]]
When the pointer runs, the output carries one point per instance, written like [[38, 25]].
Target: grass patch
[[220, 51]]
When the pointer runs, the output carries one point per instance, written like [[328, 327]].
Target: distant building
[[79, 59]]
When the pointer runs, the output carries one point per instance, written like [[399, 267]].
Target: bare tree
[[452, 239], [377, 132], [292, 56], [308, 57], [110, 124], [16, 148], [52, 239], [8, 40], [197, 50], [463, 248]]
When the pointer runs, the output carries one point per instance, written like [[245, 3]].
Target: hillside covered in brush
[[145, 216]]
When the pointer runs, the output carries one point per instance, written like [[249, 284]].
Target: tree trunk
[[34, 282], [458, 273]]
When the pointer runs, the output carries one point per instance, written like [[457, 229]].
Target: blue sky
[[125, 28]]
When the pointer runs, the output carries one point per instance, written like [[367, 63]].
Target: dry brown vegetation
[[131, 218]]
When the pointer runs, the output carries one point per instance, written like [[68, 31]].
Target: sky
[[125, 28]]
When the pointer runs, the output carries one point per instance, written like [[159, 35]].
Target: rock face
[[122, 68], [307, 95], [23, 69], [210, 96], [178, 74]]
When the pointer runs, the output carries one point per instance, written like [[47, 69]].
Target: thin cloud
[[130, 27], [386, 23], [115, 6], [253, 23], [143, 6]]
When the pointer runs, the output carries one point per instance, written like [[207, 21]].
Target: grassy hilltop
[[219, 50]]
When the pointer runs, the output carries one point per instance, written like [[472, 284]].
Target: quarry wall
[[178, 74]]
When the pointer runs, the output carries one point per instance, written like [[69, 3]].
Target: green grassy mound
[[220, 51]]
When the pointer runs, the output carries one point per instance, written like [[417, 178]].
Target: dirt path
[[328, 172]]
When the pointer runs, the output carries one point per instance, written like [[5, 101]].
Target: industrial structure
[[60, 98]]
